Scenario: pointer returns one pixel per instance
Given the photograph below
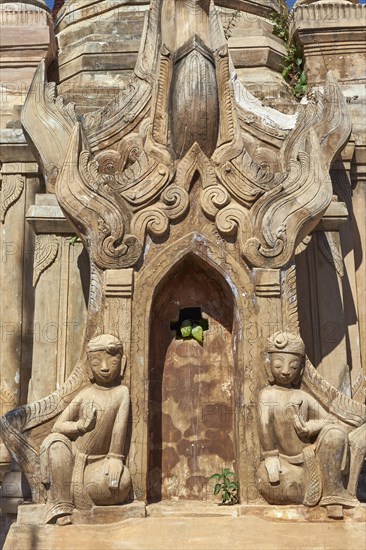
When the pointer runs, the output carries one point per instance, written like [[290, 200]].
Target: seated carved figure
[[304, 448], [82, 459]]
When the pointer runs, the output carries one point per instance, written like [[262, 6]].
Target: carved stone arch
[[236, 280]]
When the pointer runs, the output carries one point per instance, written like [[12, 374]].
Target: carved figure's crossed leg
[[331, 452], [57, 464]]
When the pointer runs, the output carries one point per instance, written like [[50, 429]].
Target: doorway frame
[[148, 282]]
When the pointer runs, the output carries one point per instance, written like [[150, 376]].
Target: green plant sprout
[[293, 70], [227, 487], [192, 329], [235, 16], [75, 239]]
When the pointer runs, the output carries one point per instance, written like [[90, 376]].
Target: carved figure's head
[[105, 356], [286, 358]]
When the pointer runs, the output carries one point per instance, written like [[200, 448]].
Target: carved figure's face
[[285, 367], [106, 367]]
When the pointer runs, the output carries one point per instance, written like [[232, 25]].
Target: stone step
[[191, 533]]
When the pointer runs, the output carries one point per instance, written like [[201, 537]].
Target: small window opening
[[193, 314]]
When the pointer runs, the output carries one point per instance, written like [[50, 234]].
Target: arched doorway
[[191, 385]]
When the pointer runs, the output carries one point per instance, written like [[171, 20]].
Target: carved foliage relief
[[12, 186]]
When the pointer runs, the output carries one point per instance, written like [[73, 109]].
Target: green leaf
[[299, 61], [303, 78], [215, 476], [186, 328], [225, 471], [217, 488], [233, 485], [74, 240], [230, 474], [197, 333]]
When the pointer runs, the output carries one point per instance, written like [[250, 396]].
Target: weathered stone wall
[[92, 67], [44, 277]]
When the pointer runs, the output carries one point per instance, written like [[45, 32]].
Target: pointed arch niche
[[191, 385], [185, 395]]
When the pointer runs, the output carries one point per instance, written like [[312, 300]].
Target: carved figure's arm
[[114, 466], [318, 418], [268, 436], [69, 422], [119, 432]]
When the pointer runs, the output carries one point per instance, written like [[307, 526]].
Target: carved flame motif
[[127, 170], [100, 213]]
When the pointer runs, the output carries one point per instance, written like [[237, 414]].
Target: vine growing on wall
[[232, 20], [293, 70]]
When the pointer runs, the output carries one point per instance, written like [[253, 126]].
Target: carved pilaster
[[267, 283], [19, 183], [118, 290], [7, 403], [60, 277], [119, 284]]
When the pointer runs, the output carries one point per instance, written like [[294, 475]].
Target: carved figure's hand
[[87, 423], [113, 470], [301, 426], [273, 467]]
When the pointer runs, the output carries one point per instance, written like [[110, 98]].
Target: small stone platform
[[201, 526]]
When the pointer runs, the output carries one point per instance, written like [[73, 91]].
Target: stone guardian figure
[[82, 460], [304, 448]]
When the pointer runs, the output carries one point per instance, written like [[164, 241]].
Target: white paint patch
[[226, 387], [270, 117], [17, 377], [231, 285], [147, 246]]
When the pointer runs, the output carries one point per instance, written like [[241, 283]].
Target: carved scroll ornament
[[127, 170]]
